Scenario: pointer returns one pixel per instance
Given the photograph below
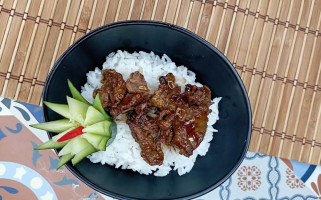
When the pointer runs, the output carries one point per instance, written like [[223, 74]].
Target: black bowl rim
[[176, 28]]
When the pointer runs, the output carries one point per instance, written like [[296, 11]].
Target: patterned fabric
[[249, 178], [25, 172], [267, 177]]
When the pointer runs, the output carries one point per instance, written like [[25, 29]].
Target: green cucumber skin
[[57, 126], [93, 116], [100, 128], [93, 139], [74, 146], [77, 109], [61, 109], [66, 149], [64, 159], [82, 154], [102, 145], [50, 144], [75, 93], [98, 105], [78, 144]]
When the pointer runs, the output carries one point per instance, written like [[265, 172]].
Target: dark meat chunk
[[136, 83], [166, 136], [113, 89], [138, 93], [183, 116], [169, 80], [167, 96], [145, 132], [190, 122], [165, 119], [159, 99], [190, 130], [198, 95], [167, 116], [129, 103], [132, 100]]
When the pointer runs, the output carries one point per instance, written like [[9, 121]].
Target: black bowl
[[228, 146]]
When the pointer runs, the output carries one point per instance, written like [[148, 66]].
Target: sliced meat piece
[[190, 130], [190, 123], [169, 80], [136, 83], [113, 89], [197, 95], [183, 116], [166, 90], [165, 119], [145, 132], [159, 99], [166, 136], [129, 103]]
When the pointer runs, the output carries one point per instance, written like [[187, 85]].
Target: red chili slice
[[71, 134]]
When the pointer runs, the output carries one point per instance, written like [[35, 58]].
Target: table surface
[[274, 46], [24, 171]]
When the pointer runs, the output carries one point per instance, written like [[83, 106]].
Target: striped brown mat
[[274, 45]]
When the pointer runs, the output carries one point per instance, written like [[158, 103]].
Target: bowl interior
[[228, 146]]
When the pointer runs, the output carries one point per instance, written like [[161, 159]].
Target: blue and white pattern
[[28, 177], [273, 183], [29, 114]]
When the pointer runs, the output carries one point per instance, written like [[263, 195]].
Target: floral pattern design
[[292, 181], [249, 178], [316, 186]]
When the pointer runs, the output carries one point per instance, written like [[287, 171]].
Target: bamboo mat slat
[[274, 46]]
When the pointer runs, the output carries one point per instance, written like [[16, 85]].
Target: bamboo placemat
[[274, 45]]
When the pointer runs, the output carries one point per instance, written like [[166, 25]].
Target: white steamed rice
[[124, 152]]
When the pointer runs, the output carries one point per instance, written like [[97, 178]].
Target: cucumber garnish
[[82, 154], [103, 143], [64, 159], [86, 129], [100, 128], [93, 139], [61, 109], [98, 105], [50, 144], [57, 126], [75, 93], [93, 116]]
